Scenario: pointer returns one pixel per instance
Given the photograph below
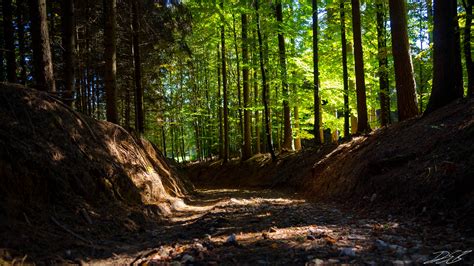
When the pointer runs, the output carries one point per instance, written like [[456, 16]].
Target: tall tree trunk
[[447, 75], [239, 97], [467, 47], [362, 122], [110, 56], [219, 99], [9, 40], [287, 133], [20, 14], [406, 94], [255, 88], [247, 149], [67, 23], [383, 65], [345, 75], [317, 115], [42, 60], [224, 91], [268, 128], [429, 11], [139, 119]]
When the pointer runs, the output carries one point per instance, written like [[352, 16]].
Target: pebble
[[232, 239], [348, 252]]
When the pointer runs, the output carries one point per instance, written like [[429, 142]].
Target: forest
[[217, 132]]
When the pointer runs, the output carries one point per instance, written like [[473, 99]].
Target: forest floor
[[265, 227]]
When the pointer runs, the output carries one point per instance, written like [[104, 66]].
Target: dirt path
[[266, 227]]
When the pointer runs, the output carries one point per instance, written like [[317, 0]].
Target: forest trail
[[261, 227]]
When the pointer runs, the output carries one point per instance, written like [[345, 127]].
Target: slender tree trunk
[[383, 64], [257, 112], [110, 56], [287, 133], [268, 128], [219, 99], [20, 14], [42, 60], [467, 48], [362, 122], [429, 11], [406, 93], [345, 75], [447, 74], [9, 40], [239, 97], [224, 91], [139, 118], [317, 115], [247, 149], [67, 23]]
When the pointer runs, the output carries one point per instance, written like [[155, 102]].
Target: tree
[[345, 75], [467, 47], [383, 65], [317, 114], [20, 14], [42, 60], [265, 96], [110, 56], [447, 75], [139, 122], [362, 122], [287, 134], [406, 95], [247, 149], [9, 40], [67, 23], [224, 90]]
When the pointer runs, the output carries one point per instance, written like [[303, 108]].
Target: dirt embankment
[[425, 164], [60, 167]]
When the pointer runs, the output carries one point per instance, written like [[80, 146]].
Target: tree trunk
[[467, 48], [362, 122], [239, 94], [317, 115], [287, 133], [224, 92], [9, 40], [139, 119], [345, 75], [67, 23], [383, 65], [20, 9], [219, 99], [255, 88], [247, 149], [406, 94], [447, 75], [268, 128], [43, 64], [110, 56]]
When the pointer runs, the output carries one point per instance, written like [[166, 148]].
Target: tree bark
[[239, 91], [42, 60], [247, 149], [447, 75], [224, 91], [406, 93], [67, 23], [467, 48], [362, 122], [9, 40], [345, 75], [219, 100], [317, 115], [383, 65], [287, 132], [268, 128], [139, 117], [110, 56]]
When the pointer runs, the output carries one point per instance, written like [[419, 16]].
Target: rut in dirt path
[[266, 227]]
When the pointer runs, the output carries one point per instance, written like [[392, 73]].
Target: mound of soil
[[60, 167]]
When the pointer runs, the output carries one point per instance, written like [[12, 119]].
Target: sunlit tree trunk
[[110, 56], [42, 60], [247, 149], [447, 75], [239, 94], [287, 132], [406, 94], [317, 115], [219, 109], [345, 75], [224, 92], [383, 64], [268, 128]]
